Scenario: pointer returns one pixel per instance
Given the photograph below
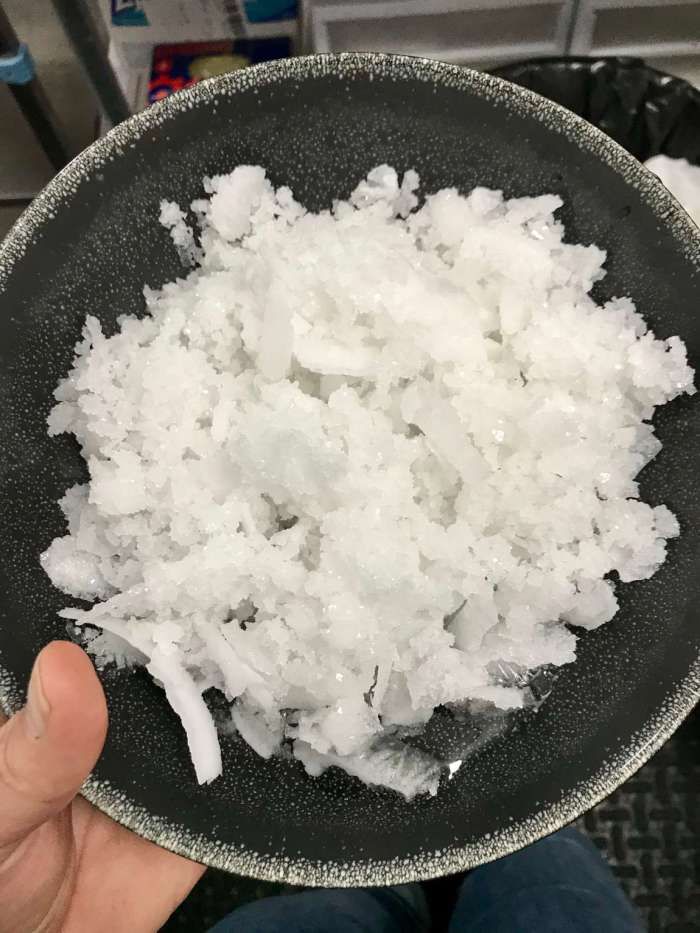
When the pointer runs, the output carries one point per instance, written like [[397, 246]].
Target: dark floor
[[649, 831]]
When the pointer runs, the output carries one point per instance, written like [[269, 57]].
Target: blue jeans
[[557, 885]]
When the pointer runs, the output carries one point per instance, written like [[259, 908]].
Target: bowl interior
[[91, 243]]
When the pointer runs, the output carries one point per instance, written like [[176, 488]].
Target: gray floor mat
[[649, 831]]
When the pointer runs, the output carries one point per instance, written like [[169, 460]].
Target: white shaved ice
[[355, 465]]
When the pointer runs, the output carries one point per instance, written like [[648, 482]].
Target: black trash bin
[[646, 111]]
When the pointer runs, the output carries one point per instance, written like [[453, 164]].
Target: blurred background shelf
[[637, 27], [464, 32]]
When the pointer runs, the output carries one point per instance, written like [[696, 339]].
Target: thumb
[[50, 746]]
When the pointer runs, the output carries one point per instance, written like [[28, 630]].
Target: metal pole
[[78, 18], [33, 103]]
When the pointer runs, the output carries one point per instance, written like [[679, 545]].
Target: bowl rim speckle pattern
[[680, 700]]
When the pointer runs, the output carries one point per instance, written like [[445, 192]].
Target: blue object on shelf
[[267, 11], [128, 13], [17, 68]]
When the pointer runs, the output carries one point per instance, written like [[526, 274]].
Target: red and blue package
[[179, 65]]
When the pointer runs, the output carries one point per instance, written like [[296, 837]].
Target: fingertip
[[72, 688], [50, 746]]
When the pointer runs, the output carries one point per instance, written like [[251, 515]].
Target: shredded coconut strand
[[357, 463]]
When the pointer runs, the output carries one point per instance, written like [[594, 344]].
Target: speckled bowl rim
[[615, 770]]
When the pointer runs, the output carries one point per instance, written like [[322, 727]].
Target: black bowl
[[91, 241]]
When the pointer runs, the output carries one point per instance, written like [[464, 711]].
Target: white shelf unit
[[464, 32], [647, 28], [170, 21]]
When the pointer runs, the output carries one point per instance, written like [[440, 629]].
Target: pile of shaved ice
[[356, 465]]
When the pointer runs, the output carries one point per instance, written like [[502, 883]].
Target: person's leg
[[401, 909], [560, 884]]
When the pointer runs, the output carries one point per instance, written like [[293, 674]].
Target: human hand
[[64, 866]]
